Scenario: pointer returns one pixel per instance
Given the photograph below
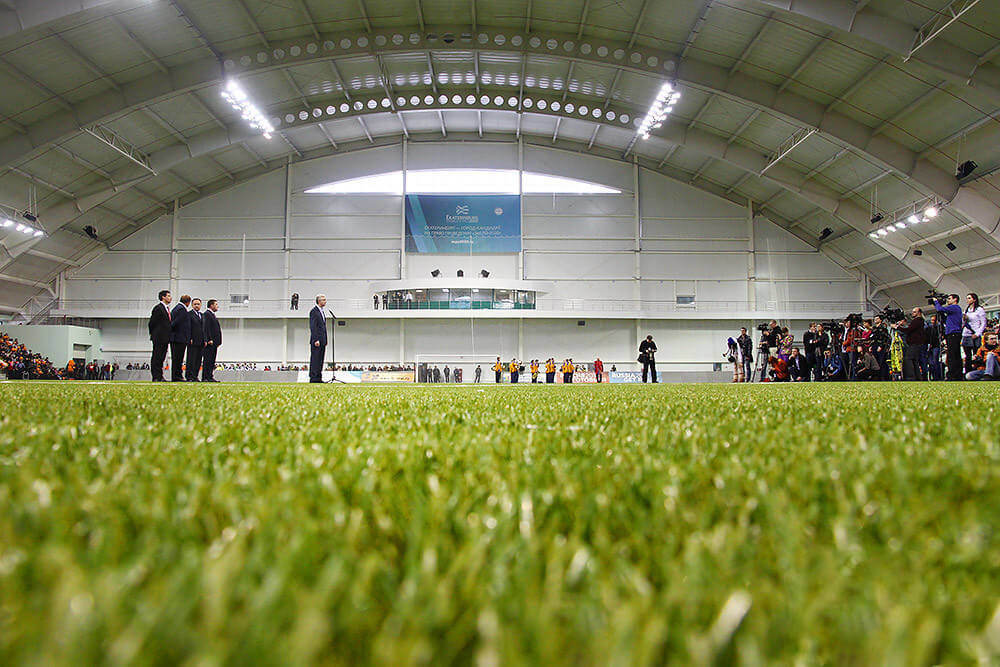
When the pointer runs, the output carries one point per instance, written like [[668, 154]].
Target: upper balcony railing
[[344, 307]]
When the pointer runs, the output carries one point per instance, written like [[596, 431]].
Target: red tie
[[169, 319]]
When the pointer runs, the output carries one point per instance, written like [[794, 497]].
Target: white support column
[[284, 342], [402, 340], [288, 228], [751, 258], [637, 264], [402, 219], [174, 232], [638, 338], [520, 193], [520, 338]]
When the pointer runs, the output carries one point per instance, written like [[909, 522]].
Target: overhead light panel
[[931, 212], [7, 222], [240, 101], [913, 219], [662, 107]]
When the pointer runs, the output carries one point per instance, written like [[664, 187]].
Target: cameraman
[[915, 338], [768, 341], [647, 357], [879, 346], [952, 334], [822, 345], [745, 344], [809, 344]]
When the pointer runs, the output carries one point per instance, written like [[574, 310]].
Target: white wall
[[580, 247]]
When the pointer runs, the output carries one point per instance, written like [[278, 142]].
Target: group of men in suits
[[185, 329]]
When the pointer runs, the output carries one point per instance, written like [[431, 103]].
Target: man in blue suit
[[180, 337], [213, 341], [317, 339]]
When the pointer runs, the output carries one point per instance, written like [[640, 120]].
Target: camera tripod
[[763, 355]]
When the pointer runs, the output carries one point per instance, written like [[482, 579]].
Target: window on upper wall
[[462, 181]]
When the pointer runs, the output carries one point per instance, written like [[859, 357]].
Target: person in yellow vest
[[567, 373], [498, 370], [534, 371], [514, 367], [550, 371]]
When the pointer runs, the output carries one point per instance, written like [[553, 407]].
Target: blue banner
[[463, 224]]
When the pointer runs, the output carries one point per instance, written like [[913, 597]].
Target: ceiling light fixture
[[240, 101], [931, 212], [662, 106]]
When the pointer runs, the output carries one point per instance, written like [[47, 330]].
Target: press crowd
[[949, 341]]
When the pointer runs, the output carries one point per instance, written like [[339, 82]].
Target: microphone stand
[[333, 347]]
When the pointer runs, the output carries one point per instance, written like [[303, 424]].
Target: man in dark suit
[[212, 333], [317, 339], [159, 333], [180, 334], [196, 344]]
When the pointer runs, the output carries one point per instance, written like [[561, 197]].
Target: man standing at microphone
[[317, 339]]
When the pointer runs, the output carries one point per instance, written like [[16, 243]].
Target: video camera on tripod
[[836, 327], [892, 315]]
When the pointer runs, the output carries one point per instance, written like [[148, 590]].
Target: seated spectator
[[867, 365], [779, 369], [986, 361], [832, 366], [798, 367]]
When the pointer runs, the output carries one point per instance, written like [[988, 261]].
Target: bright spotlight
[[7, 223], [662, 106], [931, 211], [913, 219], [883, 232], [240, 101]]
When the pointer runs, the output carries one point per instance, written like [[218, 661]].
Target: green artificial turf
[[249, 524]]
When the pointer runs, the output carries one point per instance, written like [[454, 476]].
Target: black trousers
[[513, 377], [208, 363], [316, 355], [499, 377], [867, 374], [651, 367], [194, 355], [177, 361], [550, 378], [911, 362], [954, 356], [156, 361]]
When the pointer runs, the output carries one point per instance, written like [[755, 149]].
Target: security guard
[[498, 369], [550, 371], [534, 371], [515, 367]]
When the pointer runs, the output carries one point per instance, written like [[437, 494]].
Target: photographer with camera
[[879, 345], [745, 344], [809, 344], [848, 345], [953, 325], [769, 336], [779, 369], [647, 357], [822, 345], [913, 339], [833, 369]]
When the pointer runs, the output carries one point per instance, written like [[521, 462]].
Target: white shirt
[[977, 321]]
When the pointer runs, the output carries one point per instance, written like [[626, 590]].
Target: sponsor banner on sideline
[[357, 377], [630, 377]]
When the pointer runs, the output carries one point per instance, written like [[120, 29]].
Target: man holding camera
[[769, 337], [879, 346], [745, 344], [916, 339], [952, 334], [647, 357], [809, 345]]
